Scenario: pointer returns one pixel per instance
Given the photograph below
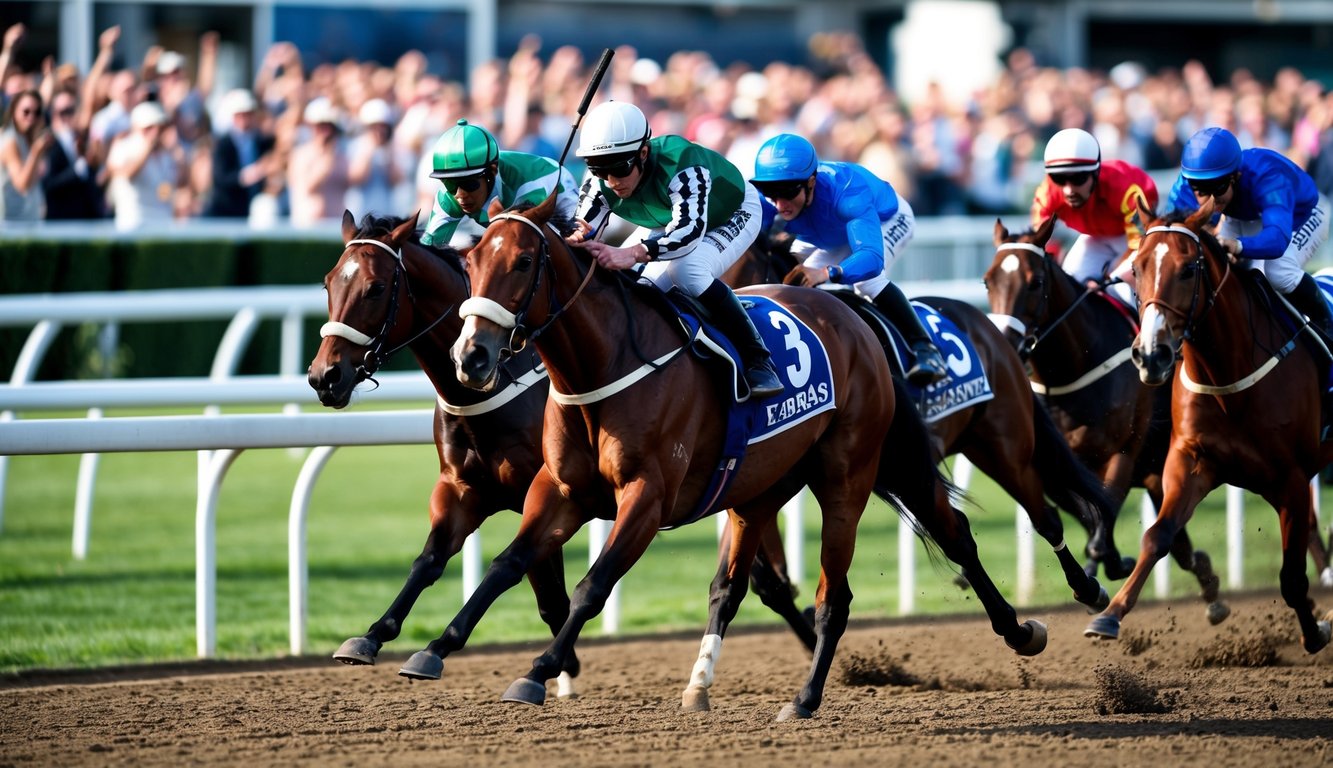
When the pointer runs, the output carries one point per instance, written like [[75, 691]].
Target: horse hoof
[[1035, 644], [357, 651], [423, 665], [1321, 640], [695, 699], [1099, 603], [1126, 568], [1103, 626], [525, 691], [1217, 612], [794, 712]]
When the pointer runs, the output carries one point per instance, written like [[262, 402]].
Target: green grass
[[132, 599]]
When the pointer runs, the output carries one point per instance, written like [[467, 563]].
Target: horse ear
[[404, 231], [495, 208], [543, 212], [1001, 234], [1042, 235], [1146, 213], [1201, 217], [349, 226]]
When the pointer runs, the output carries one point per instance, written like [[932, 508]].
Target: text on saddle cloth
[[967, 383]]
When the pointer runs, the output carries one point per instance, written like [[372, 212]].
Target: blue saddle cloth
[[803, 366], [967, 383]]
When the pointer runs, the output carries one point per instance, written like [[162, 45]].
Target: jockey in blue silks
[[1273, 215], [850, 226]]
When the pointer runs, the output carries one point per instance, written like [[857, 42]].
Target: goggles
[[468, 184], [779, 190], [1210, 187], [1075, 179], [619, 168]]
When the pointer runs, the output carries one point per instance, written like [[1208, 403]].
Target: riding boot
[[730, 318], [1307, 297], [929, 367]]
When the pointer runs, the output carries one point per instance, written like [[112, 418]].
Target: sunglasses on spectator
[[619, 169], [1076, 179], [468, 184], [779, 190], [66, 112], [1210, 187]]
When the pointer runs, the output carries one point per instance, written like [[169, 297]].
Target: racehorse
[[1235, 417], [1076, 343], [634, 432], [489, 444]]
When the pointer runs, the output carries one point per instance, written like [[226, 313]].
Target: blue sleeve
[[856, 205], [1182, 197], [1275, 197]]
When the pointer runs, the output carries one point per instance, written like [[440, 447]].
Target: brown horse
[[1235, 417], [1076, 343], [634, 434], [489, 444]]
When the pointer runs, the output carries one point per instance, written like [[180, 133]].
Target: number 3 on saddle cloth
[[965, 386], [802, 364]]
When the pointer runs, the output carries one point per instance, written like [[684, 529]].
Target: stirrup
[[929, 367]]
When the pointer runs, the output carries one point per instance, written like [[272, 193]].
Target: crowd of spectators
[[303, 143]]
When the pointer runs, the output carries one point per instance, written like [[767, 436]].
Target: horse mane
[[558, 221], [1206, 238], [375, 227]]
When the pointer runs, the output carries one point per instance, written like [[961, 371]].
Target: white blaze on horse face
[[1010, 263], [1159, 253], [1151, 327], [350, 269]]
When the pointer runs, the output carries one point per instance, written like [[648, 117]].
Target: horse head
[[506, 268], [365, 289], [1018, 283], [1177, 272]]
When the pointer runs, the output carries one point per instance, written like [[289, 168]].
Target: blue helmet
[[785, 157], [1210, 154]]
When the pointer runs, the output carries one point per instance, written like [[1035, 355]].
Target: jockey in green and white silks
[[695, 216], [473, 171]]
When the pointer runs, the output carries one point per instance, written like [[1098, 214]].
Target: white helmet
[[1073, 150], [612, 128]]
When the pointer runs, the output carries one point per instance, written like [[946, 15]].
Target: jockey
[[850, 226], [473, 172], [1273, 214], [695, 213], [1096, 199]]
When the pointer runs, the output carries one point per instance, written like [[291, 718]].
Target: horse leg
[[1101, 547], [1194, 561], [1293, 510], [547, 578], [636, 524], [769, 580], [724, 599], [1023, 483], [549, 519], [453, 516], [1185, 486]]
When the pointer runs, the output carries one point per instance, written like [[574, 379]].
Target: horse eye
[[1188, 270], [524, 263], [375, 291]]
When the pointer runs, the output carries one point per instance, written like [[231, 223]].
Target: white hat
[[375, 112], [238, 100], [147, 113], [320, 110], [169, 61], [644, 72]]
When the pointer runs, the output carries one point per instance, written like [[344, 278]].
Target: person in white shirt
[[145, 174]]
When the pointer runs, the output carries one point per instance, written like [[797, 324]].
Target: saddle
[[1318, 344]]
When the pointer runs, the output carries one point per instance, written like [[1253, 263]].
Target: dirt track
[[956, 696]]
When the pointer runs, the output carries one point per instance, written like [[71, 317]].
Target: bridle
[[515, 322], [1035, 335], [1200, 304], [375, 357]]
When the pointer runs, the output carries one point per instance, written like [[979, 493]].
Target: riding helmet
[[464, 150], [613, 128], [1210, 154], [785, 157], [1073, 150]]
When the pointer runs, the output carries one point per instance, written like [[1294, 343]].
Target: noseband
[[374, 358], [519, 336]]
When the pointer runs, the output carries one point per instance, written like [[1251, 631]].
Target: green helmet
[[464, 150]]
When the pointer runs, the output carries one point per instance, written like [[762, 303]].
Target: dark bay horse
[[1245, 406], [1076, 344], [489, 444], [634, 433]]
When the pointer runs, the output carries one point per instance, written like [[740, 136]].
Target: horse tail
[[908, 475], [1068, 481]]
